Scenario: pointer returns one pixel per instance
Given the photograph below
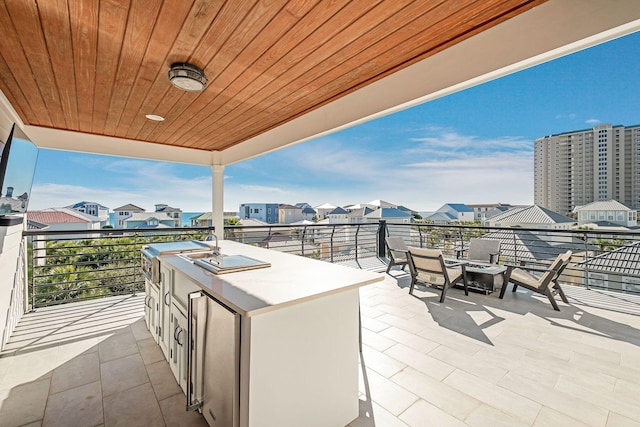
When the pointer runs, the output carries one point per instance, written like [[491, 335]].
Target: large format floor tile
[[472, 361]]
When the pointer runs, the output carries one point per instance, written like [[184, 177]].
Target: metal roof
[[531, 246], [531, 215], [460, 207], [84, 203], [129, 207], [624, 260], [607, 205], [388, 213]]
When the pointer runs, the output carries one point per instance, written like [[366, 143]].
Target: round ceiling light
[[155, 117], [187, 77]]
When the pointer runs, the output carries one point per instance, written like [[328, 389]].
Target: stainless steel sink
[[191, 256], [219, 263]]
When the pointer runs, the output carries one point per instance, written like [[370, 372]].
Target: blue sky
[[474, 146]]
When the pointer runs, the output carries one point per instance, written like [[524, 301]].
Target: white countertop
[[291, 279]]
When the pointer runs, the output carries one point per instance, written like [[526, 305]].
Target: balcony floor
[[475, 361]]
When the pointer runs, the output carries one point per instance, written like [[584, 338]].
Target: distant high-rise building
[[575, 168]]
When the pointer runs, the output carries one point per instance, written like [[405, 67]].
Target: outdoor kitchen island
[[276, 345]]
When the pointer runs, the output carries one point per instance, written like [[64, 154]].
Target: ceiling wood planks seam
[[99, 67]]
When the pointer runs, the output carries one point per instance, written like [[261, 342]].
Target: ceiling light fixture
[[154, 117], [187, 77]]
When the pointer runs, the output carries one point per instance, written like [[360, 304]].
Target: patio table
[[483, 277]]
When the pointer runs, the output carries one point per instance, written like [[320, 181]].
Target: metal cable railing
[[86, 264], [78, 265]]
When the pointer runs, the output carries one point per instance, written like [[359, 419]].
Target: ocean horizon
[[186, 218]]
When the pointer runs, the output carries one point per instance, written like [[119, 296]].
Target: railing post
[[586, 259], [382, 234], [331, 245], [34, 250], [357, 231], [302, 237], [134, 267], [269, 238]]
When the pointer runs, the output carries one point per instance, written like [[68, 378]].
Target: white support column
[[217, 198]]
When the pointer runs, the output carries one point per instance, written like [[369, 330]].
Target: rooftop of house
[[388, 213], [129, 208], [531, 215], [458, 207], [59, 216], [165, 208], [85, 203], [338, 211], [624, 261], [608, 205]]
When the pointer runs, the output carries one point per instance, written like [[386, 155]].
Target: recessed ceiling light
[[187, 77], [154, 117]]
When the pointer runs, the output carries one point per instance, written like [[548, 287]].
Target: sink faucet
[[212, 236]]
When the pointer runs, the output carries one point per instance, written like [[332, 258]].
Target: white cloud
[[451, 141], [436, 167], [263, 189], [141, 183], [592, 121], [570, 116]]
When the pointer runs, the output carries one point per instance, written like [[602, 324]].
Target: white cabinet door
[[152, 308], [178, 345], [164, 330]]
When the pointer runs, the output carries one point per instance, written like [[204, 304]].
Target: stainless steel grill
[[150, 262]]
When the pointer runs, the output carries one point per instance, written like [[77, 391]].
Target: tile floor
[[472, 361], [89, 364]]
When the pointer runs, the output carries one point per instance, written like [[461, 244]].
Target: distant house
[[338, 216], [323, 210], [376, 204], [452, 212], [64, 219], [124, 212], [606, 214], [359, 216], [523, 245], [267, 212], [615, 270], [100, 212], [259, 232], [308, 213], [205, 219], [480, 211], [174, 213], [149, 220], [531, 217], [498, 210], [303, 205], [288, 214], [390, 215]]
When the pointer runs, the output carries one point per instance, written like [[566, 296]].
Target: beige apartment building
[[575, 168]]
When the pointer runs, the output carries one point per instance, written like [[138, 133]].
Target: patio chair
[[398, 252], [482, 251], [545, 284], [428, 266]]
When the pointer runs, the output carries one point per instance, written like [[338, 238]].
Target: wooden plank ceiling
[[100, 66]]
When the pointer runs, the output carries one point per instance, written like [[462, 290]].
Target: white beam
[[97, 144], [217, 198]]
